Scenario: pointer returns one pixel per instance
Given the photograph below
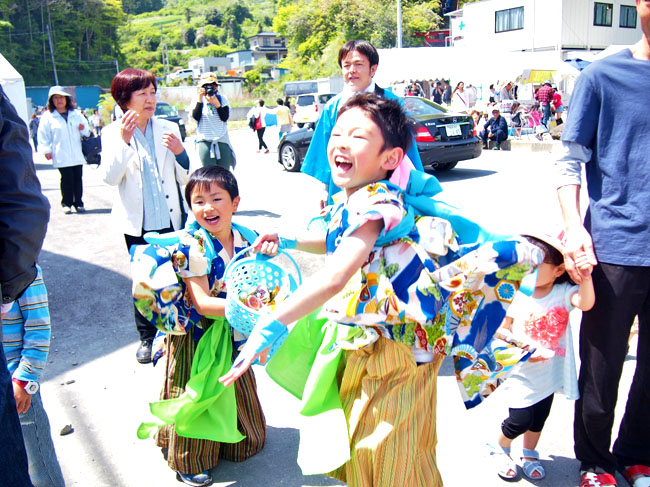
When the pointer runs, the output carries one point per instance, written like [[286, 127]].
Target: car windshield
[[419, 106], [324, 98], [165, 110], [304, 101]]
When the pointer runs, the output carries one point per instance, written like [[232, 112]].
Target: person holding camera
[[211, 111]]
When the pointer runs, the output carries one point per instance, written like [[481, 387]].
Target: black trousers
[[622, 292], [531, 418], [71, 186], [499, 136], [145, 329], [260, 138]]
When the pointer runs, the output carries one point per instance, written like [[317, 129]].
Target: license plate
[[453, 130]]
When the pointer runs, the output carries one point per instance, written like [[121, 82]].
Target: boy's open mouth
[[212, 219], [342, 163]]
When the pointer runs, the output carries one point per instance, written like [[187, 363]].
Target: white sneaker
[[67, 210]]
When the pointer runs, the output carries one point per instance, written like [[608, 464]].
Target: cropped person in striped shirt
[[26, 343], [211, 112]]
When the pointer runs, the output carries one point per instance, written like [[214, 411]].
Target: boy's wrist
[[287, 243]]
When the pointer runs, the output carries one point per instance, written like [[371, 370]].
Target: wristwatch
[[31, 387]]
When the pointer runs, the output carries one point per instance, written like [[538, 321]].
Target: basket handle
[[259, 256]]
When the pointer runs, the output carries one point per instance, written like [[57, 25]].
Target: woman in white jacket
[[59, 140], [460, 99], [145, 158]]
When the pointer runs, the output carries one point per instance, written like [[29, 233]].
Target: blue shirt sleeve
[[316, 164], [582, 121], [36, 328]]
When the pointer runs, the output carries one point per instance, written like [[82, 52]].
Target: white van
[[181, 74], [309, 107]]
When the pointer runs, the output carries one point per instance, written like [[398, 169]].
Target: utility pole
[[49, 38], [162, 48], [117, 69], [399, 23]]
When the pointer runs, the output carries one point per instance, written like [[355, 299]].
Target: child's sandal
[[531, 467], [506, 466]]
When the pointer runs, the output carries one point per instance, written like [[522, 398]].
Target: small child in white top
[[541, 321]]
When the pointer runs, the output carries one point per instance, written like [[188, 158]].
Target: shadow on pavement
[[460, 174], [278, 456], [264, 213], [43, 167], [90, 308]]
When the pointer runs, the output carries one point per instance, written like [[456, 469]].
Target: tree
[[84, 39], [189, 36], [213, 16], [136, 7], [316, 29]]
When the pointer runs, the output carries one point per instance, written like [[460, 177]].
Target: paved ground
[[94, 383]]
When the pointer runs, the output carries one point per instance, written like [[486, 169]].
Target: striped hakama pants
[[191, 455], [390, 404]]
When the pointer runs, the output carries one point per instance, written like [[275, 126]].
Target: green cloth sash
[[308, 365], [206, 410]]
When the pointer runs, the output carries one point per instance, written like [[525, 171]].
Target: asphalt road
[[93, 382]]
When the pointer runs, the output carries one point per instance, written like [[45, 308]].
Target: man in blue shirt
[[607, 131], [495, 129], [358, 61]]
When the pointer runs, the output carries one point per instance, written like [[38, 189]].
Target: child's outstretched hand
[[265, 333], [241, 365], [267, 244]]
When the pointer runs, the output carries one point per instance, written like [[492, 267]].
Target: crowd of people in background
[[535, 116]]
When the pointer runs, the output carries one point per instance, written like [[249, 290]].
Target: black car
[[169, 112], [443, 138]]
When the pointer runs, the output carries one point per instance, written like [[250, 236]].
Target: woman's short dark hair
[[389, 117], [260, 102], [363, 47], [206, 176], [69, 104], [128, 81]]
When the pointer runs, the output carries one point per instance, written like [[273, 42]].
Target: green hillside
[[92, 38]]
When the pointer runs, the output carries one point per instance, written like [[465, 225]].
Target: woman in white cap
[[59, 140], [211, 112]]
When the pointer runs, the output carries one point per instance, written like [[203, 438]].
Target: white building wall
[[579, 31], [541, 27], [548, 25]]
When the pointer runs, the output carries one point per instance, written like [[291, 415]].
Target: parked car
[[169, 112], [293, 147], [309, 107], [181, 74], [443, 138]]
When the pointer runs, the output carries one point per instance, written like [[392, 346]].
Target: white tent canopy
[[14, 86]]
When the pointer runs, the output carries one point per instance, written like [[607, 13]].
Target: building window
[[510, 19], [628, 17], [603, 14]]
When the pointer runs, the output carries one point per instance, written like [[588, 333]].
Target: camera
[[210, 91]]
